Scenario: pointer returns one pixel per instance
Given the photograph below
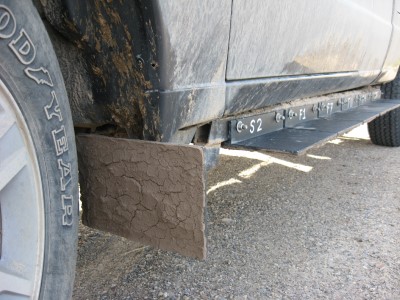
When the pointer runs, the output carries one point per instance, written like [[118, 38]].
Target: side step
[[295, 134]]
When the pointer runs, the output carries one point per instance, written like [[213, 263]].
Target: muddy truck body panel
[[154, 66], [164, 68]]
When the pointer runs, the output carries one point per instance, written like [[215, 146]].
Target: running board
[[288, 133]]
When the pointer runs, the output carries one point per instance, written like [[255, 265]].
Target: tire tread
[[385, 129]]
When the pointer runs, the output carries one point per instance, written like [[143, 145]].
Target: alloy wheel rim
[[21, 205]]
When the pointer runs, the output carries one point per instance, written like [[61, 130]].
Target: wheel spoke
[[5, 124], [22, 227], [14, 284], [12, 166]]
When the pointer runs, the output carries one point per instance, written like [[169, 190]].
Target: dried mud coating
[[145, 191]]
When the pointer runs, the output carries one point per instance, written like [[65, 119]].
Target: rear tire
[[38, 162], [385, 130]]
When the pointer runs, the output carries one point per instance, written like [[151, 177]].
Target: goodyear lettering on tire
[[24, 49]]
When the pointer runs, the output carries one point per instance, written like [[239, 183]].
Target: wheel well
[[106, 59]]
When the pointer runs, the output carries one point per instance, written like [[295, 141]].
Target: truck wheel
[[385, 130], [38, 163]]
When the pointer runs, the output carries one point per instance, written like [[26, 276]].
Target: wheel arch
[[107, 61]]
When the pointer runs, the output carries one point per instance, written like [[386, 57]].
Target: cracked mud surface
[[322, 226], [144, 191]]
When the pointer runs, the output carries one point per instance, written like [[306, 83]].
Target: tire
[[385, 130], [38, 162]]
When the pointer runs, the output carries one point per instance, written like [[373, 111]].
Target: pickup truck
[[140, 95]]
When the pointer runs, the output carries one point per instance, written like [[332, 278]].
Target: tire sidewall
[[49, 130]]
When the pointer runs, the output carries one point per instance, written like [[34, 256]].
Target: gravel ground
[[323, 225]]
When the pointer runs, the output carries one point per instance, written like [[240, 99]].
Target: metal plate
[[294, 141], [250, 127], [300, 114], [366, 112], [298, 139], [329, 107], [327, 125], [347, 103]]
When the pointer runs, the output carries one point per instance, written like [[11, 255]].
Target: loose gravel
[[321, 226]]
